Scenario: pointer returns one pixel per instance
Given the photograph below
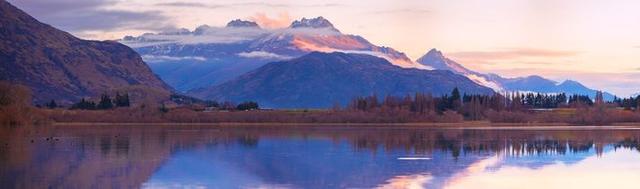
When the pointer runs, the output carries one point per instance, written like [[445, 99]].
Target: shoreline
[[462, 125]]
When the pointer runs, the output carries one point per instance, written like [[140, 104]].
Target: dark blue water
[[327, 157]]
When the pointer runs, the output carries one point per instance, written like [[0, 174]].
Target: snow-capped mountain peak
[[241, 23], [434, 53], [533, 83], [202, 29], [569, 83], [435, 59], [318, 22], [186, 59]]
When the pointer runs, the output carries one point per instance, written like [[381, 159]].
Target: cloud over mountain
[[280, 21], [188, 5], [92, 15], [58, 66], [242, 46]]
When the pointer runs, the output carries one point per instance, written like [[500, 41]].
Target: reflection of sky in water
[[178, 157], [614, 169], [322, 163], [306, 163]]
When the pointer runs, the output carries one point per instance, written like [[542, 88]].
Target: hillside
[[320, 80], [58, 66]]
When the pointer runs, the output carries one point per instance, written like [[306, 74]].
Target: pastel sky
[[595, 42]]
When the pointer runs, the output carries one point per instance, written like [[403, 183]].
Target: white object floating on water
[[414, 158]]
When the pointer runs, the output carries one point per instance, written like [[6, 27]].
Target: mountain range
[[321, 80], [209, 55], [308, 64], [528, 84], [58, 66]]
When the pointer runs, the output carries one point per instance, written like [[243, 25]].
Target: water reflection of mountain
[[126, 157]]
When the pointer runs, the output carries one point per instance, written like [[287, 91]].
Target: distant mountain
[[534, 83], [59, 66], [242, 23], [320, 80], [319, 22], [210, 55], [436, 60]]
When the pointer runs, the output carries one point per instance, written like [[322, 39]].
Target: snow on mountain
[[242, 46], [242, 23], [534, 83], [318, 22], [202, 35], [320, 80], [436, 60]]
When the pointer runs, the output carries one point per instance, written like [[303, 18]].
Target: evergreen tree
[[455, 100], [211, 103], [163, 108], [52, 104], [227, 105], [247, 106], [105, 102], [599, 98], [122, 100], [84, 105]]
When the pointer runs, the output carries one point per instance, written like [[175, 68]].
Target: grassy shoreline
[[466, 124]]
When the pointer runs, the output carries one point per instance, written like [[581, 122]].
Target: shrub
[[247, 106], [508, 117], [15, 106]]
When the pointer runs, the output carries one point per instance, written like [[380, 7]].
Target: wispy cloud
[[402, 11], [513, 53], [161, 58], [246, 4], [89, 15], [113, 20], [189, 5], [282, 5], [281, 20], [263, 55], [56, 6]]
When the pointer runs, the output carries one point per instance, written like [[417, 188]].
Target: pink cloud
[[512, 53], [280, 21]]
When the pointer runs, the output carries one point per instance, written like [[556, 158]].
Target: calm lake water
[[317, 157]]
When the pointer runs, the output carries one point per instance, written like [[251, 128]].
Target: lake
[[318, 157]]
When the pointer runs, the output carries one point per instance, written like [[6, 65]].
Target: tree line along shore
[[16, 108]]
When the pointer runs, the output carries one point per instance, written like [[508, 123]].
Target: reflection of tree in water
[[90, 157], [507, 142], [83, 156], [628, 143], [105, 145], [449, 145], [248, 140], [576, 147]]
